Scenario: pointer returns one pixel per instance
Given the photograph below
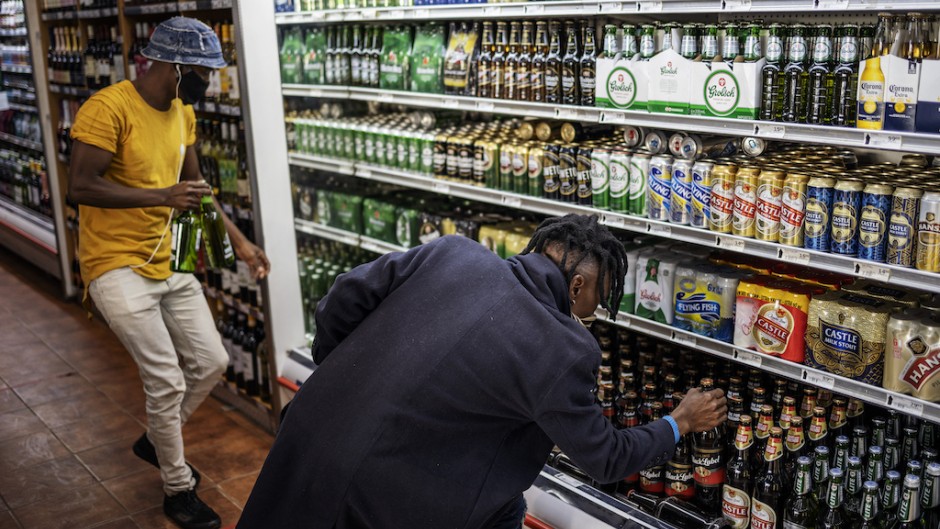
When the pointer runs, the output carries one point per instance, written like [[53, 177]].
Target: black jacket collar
[[543, 279]]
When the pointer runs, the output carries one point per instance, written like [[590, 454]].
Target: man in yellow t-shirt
[[133, 165]]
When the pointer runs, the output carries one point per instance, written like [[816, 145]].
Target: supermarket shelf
[[24, 108], [591, 7], [778, 366], [13, 32], [217, 108], [70, 14], [37, 228], [346, 237], [250, 406], [172, 7], [98, 13], [797, 132], [77, 91], [231, 302], [22, 142], [898, 276], [379, 247], [17, 68]]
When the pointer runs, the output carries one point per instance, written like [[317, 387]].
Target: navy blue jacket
[[447, 375]]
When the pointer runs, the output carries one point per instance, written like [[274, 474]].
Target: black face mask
[[192, 88]]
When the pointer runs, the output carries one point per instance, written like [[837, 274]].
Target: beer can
[[701, 194], [793, 209], [506, 152], [453, 154], [638, 174], [486, 164], [620, 178], [902, 228], [681, 196], [745, 202], [873, 222], [660, 187], [567, 172], [905, 332], [534, 163], [928, 233], [440, 153], [583, 176], [721, 201], [694, 147], [769, 203], [819, 193], [427, 153], [464, 158], [600, 177], [846, 204], [655, 142], [551, 167], [753, 147], [633, 136], [675, 144], [520, 168]]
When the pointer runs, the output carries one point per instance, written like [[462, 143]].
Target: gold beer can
[[721, 202], [928, 233], [769, 204], [745, 202]]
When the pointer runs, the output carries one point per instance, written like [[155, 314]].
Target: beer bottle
[[539, 58], [524, 64], [838, 419], [731, 44], [879, 426], [845, 78], [821, 470], [909, 511], [498, 70], [891, 497], [765, 421], [610, 45], [787, 413], [707, 460], [840, 452], [628, 47], [892, 460], [872, 517], [736, 500], [776, 398], [927, 434], [758, 399], [185, 239], [652, 478], [929, 455], [818, 429], [856, 413], [802, 507], [930, 502], [646, 406], [914, 44], [796, 77], [874, 469], [752, 51], [710, 43], [510, 90], [767, 499], [735, 412], [808, 404], [647, 41], [219, 253], [570, 66], [605, 396], [893, 425], [679, 481], [909, 448], [553, 67], [853, 485], [485, 62], [588, 68], [355, 57], [859, 446], [796, 447], [834, 514], [820, 78], [915, 468], [689, 46]]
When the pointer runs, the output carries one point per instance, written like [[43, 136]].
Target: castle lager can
[[600, 177], [928, 233], [873, 222], [721, 201], [551, 165], [769, 203], [639, 170], [819, 193], [846, 204], [701, 194], [620, 176], [902, 229], [583, 176], [681, 196], [793, 209], [660, 187], [745, 202]]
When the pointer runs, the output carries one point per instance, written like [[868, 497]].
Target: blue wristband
[[675, 427]]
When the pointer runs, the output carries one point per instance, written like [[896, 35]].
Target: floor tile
[[97, 431], [43, 481], [19, 423], [9, 400], [114, 459], [155, 519], [30, 450], [123, 523], [59, 387], [238, 489], [240, 454], [137, 492], [31, 363], [75, 408], [76, 508]]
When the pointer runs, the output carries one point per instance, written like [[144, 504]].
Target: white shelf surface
[[32, 226], [346, 237]]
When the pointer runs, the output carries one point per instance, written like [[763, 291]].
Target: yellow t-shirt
[[145, 143]]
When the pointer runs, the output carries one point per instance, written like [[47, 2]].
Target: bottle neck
[[931, 497], [803, 483], [834, 497], [870, 506], [909, 510]]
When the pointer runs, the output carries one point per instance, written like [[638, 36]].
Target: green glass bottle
[[820, 78], [795, 77], [853, 485], [185, 239], [909, 511], [802, 507], [891, 497], [710, 42], [845, 78], [752, 50], [219, 252], [930, 501], [821, 471], [835, 515], [872, 517]]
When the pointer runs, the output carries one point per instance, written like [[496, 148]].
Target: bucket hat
[[183, 40]]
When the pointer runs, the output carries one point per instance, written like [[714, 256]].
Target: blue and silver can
[[659, 202], [819, 192], [701, 194], [846, 206], [873, 222], [681, 198], [902, 228]]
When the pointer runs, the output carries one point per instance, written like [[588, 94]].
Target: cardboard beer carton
[[722, 89], [622, 83], [928, 98], [670, 87], [901, 86]]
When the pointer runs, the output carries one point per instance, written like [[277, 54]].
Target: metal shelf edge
[[16, 140]]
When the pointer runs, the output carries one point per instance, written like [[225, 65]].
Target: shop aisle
[[71, 406]]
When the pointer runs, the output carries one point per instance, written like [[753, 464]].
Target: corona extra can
[[793, 209], [660, 187], [639, 171], [873, 222], [745, 202], [819, 192], [600, 177], [701, 194], [846, 204], [928, 233], [902, 229], [681, 196], [619, 174], [769, 203], [721, 203]]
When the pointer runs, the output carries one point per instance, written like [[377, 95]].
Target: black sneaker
[[144, 449], [189, 512]]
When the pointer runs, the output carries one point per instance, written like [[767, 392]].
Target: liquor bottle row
[[14, 55], [12, 15], [100, 64], [70, 5], [23, 180], [290, 6], [68, 110], [223, 159], [21, 124], [244, 340], [320, 261]]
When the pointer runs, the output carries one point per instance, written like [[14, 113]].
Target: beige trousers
[[168, 329]]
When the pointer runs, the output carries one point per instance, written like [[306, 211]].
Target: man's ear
[[577, 283]]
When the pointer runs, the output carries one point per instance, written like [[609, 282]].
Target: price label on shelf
[[873, 271], [737, 5], [534, 8], [611, 7], [793, 255], [368, 13], [884, 141], [682, 338], [210, 107], [511, 202], [748, 358], [612, 117], [187, 6], [441, 188], [484, 106], [661, 230], [422, 13], [649, 6], [833, 5], [364, 173], [906, 405], [818, 379], [492, 10], [314, 92], [386, 98], [451, 104], [730, 243], [615, 221], [768, 130], [221, 4], [568, 113]]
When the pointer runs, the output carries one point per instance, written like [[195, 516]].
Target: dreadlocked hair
[[583, 238]]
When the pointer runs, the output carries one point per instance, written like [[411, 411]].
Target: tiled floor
[[71, 405]]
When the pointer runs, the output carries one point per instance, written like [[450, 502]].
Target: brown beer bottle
[[553, 66], [765, 421], [708, 462], [739, 480], [539, 58], [524, 64], [767, 499], [510, 90], [485, 62], [796, 447], [818, 428], [498, 71], [679, 481]]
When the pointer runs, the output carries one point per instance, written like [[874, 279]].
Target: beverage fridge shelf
[[35, 227], [898, 276], [589, 8], [12, 32], [346, 237], [794, 132], [21, 142]]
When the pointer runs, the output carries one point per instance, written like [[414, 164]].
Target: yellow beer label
[[844, 222], [773, 328], [817, 218]]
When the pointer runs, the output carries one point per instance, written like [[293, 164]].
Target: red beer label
[[920, 369], [708, 467]]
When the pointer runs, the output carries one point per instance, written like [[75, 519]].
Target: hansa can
[[639, 171], [769, 202], [873, 222], [551, 166], [819, 192], [520, 168], [600, 177], [721, 201], [660, 187], [793, 209], [928, 233], [567, 174], [681, 196], [912, 355], [701, 194], [745, 202], [583, 176], [846, 204], [620, 177], [902, 229]]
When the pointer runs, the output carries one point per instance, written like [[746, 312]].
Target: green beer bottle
[[219, 253], [872, 517], [835, 515], [802, 507], [820, 78], [185, 238], [909, 512], [930, 502]]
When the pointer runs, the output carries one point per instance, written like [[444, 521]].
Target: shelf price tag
[[615, 221], [221, 4], [422, 13], [661, 230], [904, 404], [534, 8], [314, 92], [612, 117], [368, 13], [730, 243], [441, 188], [737, 5], [884, 141], [815, 378], [485, 106], [492, 10], [768, 130], [873, 271], [364, 173], [611, 7], [451, 103], [567, 113], [748, 358], [793, 255], [682, 338], [187, 6], [832, 5], [511, 202], [649, 6]]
